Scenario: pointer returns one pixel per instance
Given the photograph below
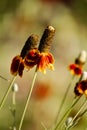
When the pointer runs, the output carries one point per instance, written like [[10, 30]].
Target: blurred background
[[18, 20]]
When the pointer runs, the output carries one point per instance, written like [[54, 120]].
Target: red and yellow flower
[[28, 52], [81, 88], [46, 59], [75, 69]]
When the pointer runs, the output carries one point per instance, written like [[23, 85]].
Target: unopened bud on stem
[[81, 59], [15, 87]]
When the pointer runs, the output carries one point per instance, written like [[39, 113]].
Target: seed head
[[31, 43], [46, 40]]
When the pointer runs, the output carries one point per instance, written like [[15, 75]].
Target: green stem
[[75, 100], [83, 113], [14, 109], [28, 99], [3, 78], [81, 108], [80, 116], [64, 98], [43, 126], [7, 92], [14, 98]]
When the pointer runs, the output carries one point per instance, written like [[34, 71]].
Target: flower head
[[81, 88], [18, 62], [46, 59], [75, 69]]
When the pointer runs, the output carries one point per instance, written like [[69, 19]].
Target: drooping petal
[[31, 58], [46, 61], [21, 68], [15, 65], [29, 64], [51, 61]]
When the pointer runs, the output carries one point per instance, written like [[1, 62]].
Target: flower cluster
[[32, 55], [76, 68]]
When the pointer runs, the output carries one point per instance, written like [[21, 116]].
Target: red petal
[[15, 64], [44, 61], [21, 68], [31, 58]]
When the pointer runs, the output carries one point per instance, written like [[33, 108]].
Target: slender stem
[[80, 116], [81, 108], [75, 100], [14, 109], [7, 92], [28, 99], [14, 128], [3, 78], [83, 113], [43, 126], [64, 98], [14, 98]]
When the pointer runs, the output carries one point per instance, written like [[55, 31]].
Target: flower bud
[[81, 59], [31, 43], [46, 40], [69, 121], [15, 87], [83, 76]]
